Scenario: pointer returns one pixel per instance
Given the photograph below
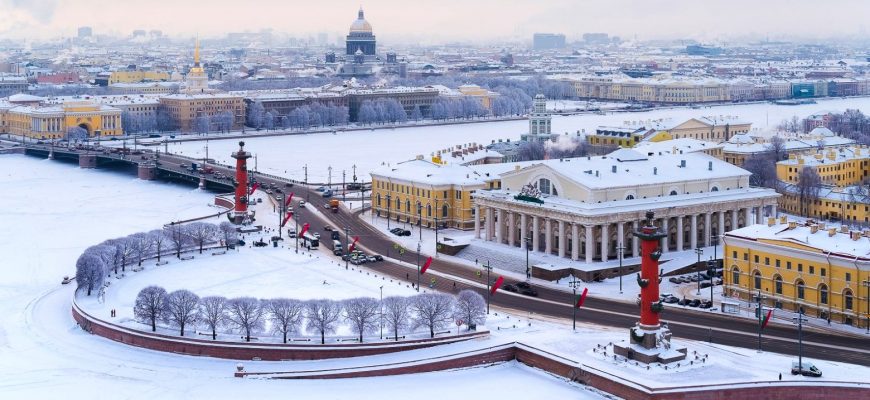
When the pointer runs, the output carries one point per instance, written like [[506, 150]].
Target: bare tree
[[432, 310], [202, 233], [142, 244], [808, 186], [160, 241], [178, 237], [763, 170], [114, 255], [212, 313], [285, 315], [362, 313], [246, 314], [776, 147], [530, 151], [470, 308], [322, 315], [396, 314], [105, 253], [150, 304], [181, 309], [228, 233], [126, 251], [90, 272]]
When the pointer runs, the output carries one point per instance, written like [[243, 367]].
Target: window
[[673, 193], [848, 276], [800, 289], [458, 195], [735, 276], [777, 263], [788, 265], [714, 189], [823, 294], [824, 271], [757, 280], [444, 211], [734, 255], [812, 270], [766, 260], [847, 299], [800, 267], [629, 197], [756, 259], [544, 185], [778, 284]]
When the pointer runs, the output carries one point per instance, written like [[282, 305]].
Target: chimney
[[792, 224], [613, 169], [814, 228], [655, 170], [783, 219], [709, 166], [866, 232], [771, 221], [419, 156], [682, 163], [832, 232], [821, 225], [855, 235], [844, 228]]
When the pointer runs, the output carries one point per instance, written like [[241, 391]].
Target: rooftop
[[839, 241]]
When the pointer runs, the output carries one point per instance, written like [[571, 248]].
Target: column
[[512, 228], [707, 229], [773, 211], [759, 218], [605, 241], [499, 225], [734, 218], [477, 222], [536, 233], [548, 236], [620, 235], [488, 224], [680, 233], [693, 233], [747, 214], [590, 244], [721, 225], [562, 241], [575, 242], [665, 240], [523, 231], [635, 242]]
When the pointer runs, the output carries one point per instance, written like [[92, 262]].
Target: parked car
[[317, 235], [336, 235], [529, 292], [260, 243], [321, 189], [671, 300], [336, 252], [706, 284], [377, 257], [523, 285], [694, 303], [371, 259], [302, 204], [327, 228], [805, 369], [685, 279], [406, 232], [683, 302], [706, 304], [510, 288], [674, 279]]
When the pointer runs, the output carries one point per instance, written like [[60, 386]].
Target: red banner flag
[[496, 285], [426, 266], [582, 298], [289, 198], [254, 188], [353, 244], [287, 218], [766, 319], [304, 229]]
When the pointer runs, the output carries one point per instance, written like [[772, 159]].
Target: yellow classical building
[[52, 121], [822, 269], [137, 76], [626, 137]]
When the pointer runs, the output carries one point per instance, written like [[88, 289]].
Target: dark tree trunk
[[285, 337], [153, 324], [182, 329], [396, 331], [322, 337], [431, 331], [213, 334]]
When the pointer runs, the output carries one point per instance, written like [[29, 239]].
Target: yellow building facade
[[823, 270], [52, 122], [137, 76]]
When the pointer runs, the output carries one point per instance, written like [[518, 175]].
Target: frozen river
[[368, 149]]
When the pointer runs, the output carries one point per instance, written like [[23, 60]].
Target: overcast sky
[[446, 20]]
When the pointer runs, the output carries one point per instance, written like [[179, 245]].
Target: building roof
[[675, 146], [840, 243], [360, 25]]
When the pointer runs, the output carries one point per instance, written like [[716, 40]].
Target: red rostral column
[[650, 237], [241, 208]]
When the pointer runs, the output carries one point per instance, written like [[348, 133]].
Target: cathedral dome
[[360, 25]]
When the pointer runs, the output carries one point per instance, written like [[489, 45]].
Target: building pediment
[[692, 124]]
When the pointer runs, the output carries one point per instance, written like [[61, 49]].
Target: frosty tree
[[149, 306], [90, 272], [432, 310], [178, 237], [160, 241], [362, 313], [142, 244], [246, 314], [396, 314], [126, 251], [285, 315], [114, 255], [470, 307], [228, 234], [212, 313], [202, 233], [322, 315], [181, 309]]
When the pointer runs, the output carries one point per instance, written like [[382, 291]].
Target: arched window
[[379, 199], [408, 205], [757, 277], [444, 211], [823, 294], [546, 187], [673, 193], [629, 197], [777, 284], [801, 289], [735, 276], [714, 189], [847, 299], [429, 210], [398, 204]]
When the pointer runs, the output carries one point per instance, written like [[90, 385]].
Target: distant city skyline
[[445, 20]]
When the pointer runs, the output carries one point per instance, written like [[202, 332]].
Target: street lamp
[[573, 285], [621, 249], [388, 210], [343, 187], [281, 212], [699, 251], [488, 283], [346, 246], [296, 221], [800, 320], [760, 318], [866, 284], [711, 265], [528, 240], [420, 219], [382, 312], [418, 266]]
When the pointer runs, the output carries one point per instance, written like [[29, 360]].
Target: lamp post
[[381, 321], [281, 213], [760, 319], [388, 210], [346, 246], [699, 251], [620, 248], [343, 187], [715, 240], [488, 283], [573, 285], [800, 321], [296, 221], [866, 284], [418, 266], [420, 219], [307, 189], [711, 265], [528, 240]]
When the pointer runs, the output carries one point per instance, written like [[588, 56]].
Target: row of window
[[800, 286], [788, 265]]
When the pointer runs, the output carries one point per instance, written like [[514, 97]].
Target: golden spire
[[196, 53]]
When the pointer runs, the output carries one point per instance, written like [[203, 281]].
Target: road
[[688, 324]]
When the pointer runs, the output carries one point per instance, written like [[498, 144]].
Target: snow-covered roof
[[675, 146], [822, 131], [25, 98], [839, 243]]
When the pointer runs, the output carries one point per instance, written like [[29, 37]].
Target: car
[[291, 234], [396, 231], [529, 292], [371, 259], [260, 243], [345, 257], [327, 228], [66, 280], [671, 300], [317, 235], [336, 235], [694, 303], [277, 238], [336, 252], [683, 302], [321, 189], [694, 278], [406, 232], [377, 257], [302, 203], [674, 279], [685, 279], [327, 193], [510, 288], [805, 369], [705, 284], [706, 304], [268, 191], [665, 295], [523, 285]]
